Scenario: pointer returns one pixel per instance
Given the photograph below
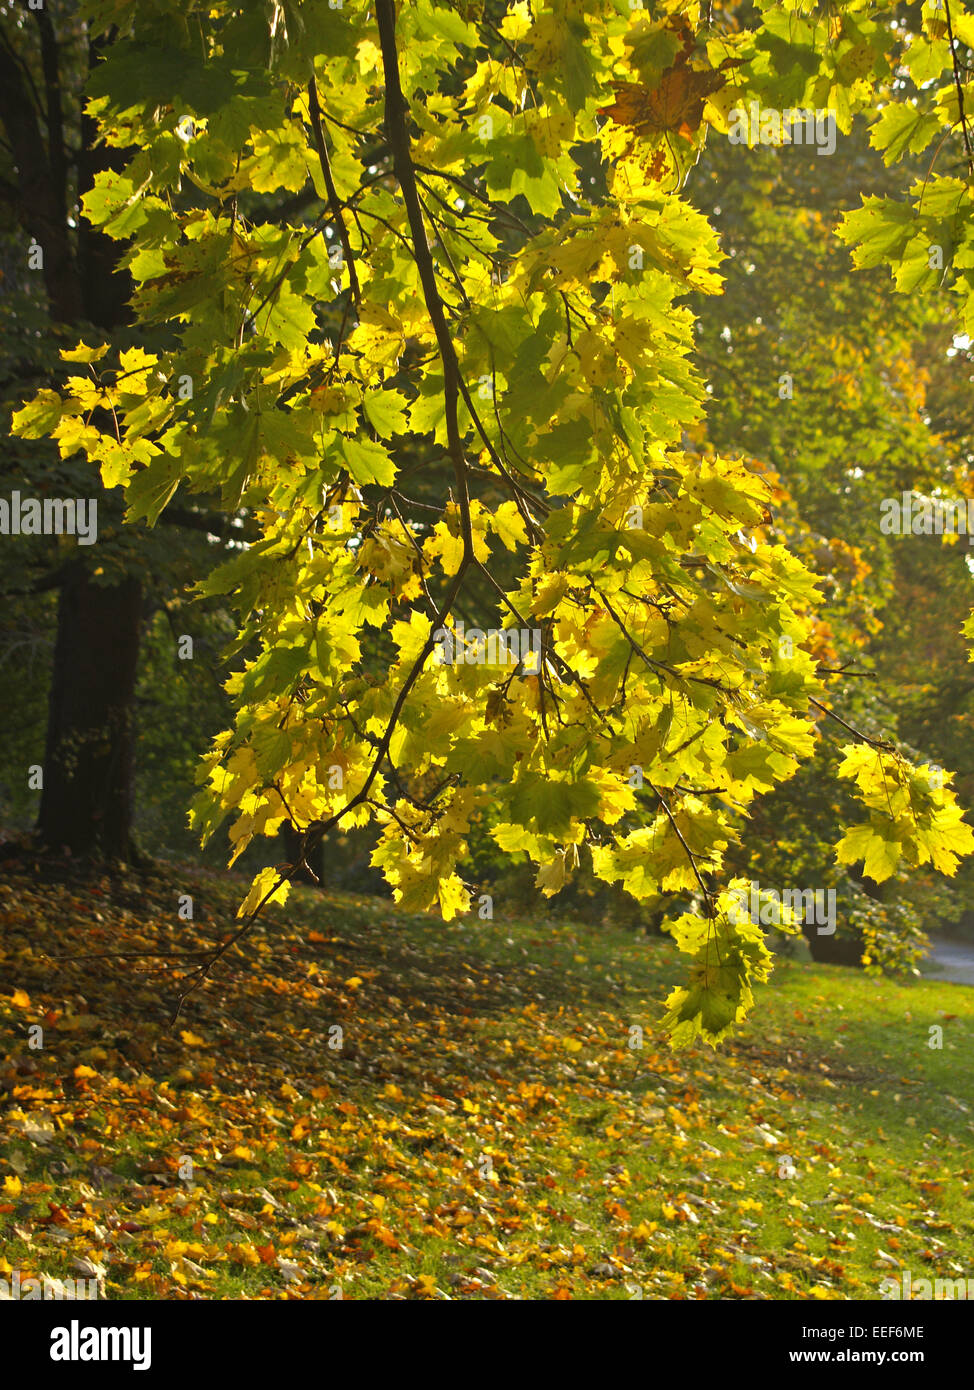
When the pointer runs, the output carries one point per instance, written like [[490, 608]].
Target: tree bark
[[316, 855], [834, 949], [86, 799]]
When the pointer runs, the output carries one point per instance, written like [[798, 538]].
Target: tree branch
[[960, 94], [334, 202], [398, 137]]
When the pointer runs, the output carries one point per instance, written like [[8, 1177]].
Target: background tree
[[51, 145], [468, 301], [839, 386], [60, 271]]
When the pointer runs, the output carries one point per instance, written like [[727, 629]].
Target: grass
[[489, 1126]]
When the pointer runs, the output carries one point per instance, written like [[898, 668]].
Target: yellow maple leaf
[[261, 887]]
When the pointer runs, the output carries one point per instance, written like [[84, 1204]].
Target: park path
[[950, 960]]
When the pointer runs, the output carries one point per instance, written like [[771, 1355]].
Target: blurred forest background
[[842, 390]]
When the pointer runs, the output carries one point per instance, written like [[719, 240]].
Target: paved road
[[950, 960]]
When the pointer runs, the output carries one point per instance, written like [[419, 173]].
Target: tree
[[86, 798], [64, 274], [483, 299], [837, 387]]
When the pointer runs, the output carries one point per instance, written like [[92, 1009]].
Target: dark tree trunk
[[838, 949], [834, 949], [105, 286], [42, 206], [86, 800], [316, 857]]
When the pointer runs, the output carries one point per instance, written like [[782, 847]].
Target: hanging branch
[[334, 202], [396, 110], [960, 94]]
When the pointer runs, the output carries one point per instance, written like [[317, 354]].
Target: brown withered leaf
[[675, 105]]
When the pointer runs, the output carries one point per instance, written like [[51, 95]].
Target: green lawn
[[485, 1129]]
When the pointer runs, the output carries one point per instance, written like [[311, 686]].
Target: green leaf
[[368, 462], [385, 412]]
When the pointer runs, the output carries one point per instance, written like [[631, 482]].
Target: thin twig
[[314, 111], [960, 94]]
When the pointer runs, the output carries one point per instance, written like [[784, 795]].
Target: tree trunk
[[834, 949], [87, 797], [316, 858], [87, 800]]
